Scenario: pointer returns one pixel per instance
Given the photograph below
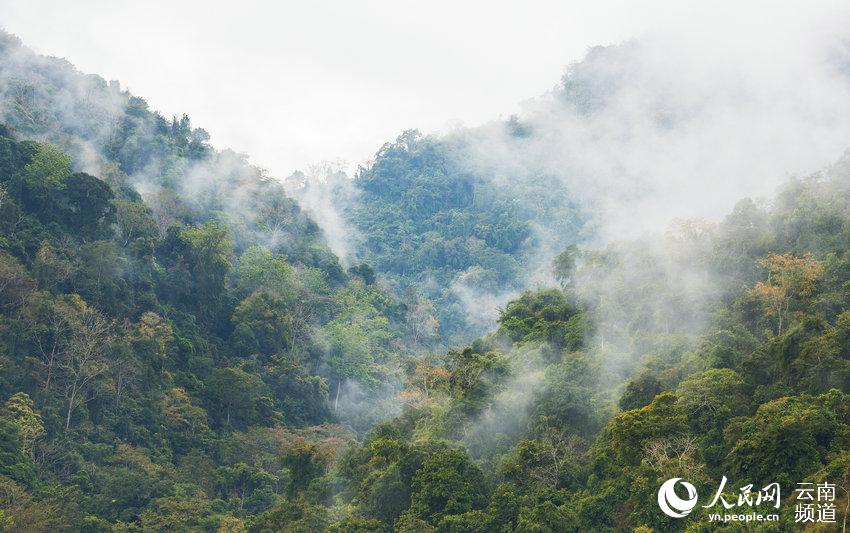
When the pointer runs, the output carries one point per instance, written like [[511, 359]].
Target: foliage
[[180, 350], [139, 336], [429, 223]]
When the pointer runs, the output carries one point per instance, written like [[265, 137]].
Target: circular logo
[[673, 505]]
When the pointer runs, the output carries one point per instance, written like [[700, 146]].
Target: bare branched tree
[[85, 357]]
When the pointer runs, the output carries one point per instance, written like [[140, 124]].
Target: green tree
[[197, 259], [134, 221], [356, 337], [564, 266], [712, 395], [305, 462], [186, 423], [447, 483], [48, 168], [85, 206], [239, 396], [19, 408], [258, 268], [241, 481], [632, 430], [265, 324], [788, 438], [545, 316], [21, 512]]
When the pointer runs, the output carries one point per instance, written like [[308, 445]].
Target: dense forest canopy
[[633, 136], [431, 225], [181, 349]]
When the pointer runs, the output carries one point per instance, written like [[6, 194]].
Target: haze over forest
[[524, 324]]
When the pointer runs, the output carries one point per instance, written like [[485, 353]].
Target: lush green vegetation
[[127, 352], [429, 222], [180, 351], [157, 352], [574, 443], [168, 381]]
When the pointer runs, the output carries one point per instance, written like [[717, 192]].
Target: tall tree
[[84, 358], [789, 277]]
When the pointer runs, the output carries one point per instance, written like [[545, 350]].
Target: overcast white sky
[[295, 83]]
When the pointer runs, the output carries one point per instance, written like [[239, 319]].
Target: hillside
[[544, 425], [176, 307], [430, 224], [181, 349], [632, 136]]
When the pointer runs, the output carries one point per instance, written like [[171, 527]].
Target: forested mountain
[[546, 425], [632, 136], [454, 235], [182, 351], [179, 291]]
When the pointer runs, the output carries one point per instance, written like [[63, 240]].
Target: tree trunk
[[70, 409], [119, 389], [50, 364], [336, 400]]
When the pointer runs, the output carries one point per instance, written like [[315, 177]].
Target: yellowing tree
[[155, 333], [429, 376], [788, 277]]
